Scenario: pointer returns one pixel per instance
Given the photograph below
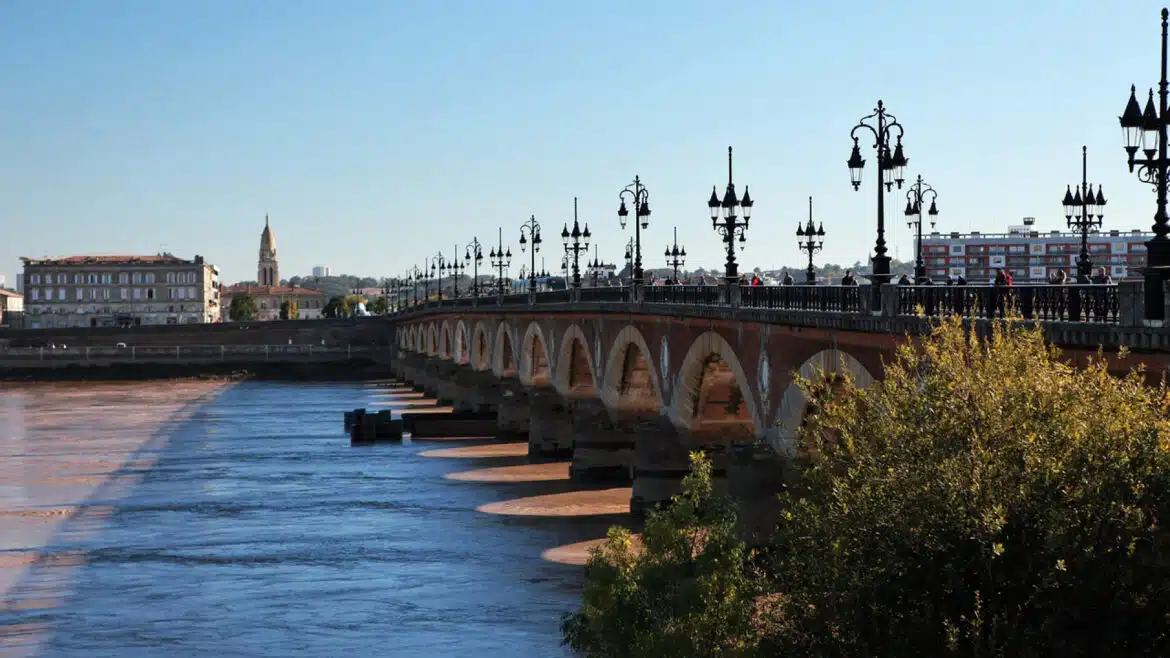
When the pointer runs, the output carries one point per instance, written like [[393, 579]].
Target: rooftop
[[9, 293], [94, 259]]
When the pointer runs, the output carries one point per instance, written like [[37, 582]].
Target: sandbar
[[547, 472], [593, 502], [578, 554], [480, 452]]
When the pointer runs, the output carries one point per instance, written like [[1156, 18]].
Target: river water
[[238, 521]]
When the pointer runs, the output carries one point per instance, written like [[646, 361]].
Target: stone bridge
[[583, 377]]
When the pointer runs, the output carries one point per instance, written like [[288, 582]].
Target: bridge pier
[[662, 460], [550, 426], [514, 410], [603, 449]]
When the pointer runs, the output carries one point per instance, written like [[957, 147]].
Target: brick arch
[[631, 375], [504, 361], [445, 340], [576, 376], [713, 397], [480, 353], [462, 352], [794, 405], [535, 367], [432, 339]]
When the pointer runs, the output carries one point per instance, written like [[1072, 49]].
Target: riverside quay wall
[[626, 383], [328, 332]]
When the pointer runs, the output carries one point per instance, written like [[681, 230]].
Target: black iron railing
[[1051, 303], [838, 299], [685, 295]]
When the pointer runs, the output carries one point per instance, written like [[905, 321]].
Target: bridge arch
[[416, 336], [462, 351], [432, 339], [504, 360], [631, 382], [445, 340], [713, 396], [794, 405], [480, 354], [576, 375], [535, 365]]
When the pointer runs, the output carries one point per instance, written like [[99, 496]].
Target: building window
[[150, 293], [170, 277], [106, 294], [62, 278], [80, 294], [123, 278], [61, 294], [138, 293], [191, 293], [36, 294], [150, 277], [136, 278]]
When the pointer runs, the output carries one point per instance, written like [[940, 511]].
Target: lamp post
[[386, 293], [731, 208], [474, 255], [1085, 212], [890, 168], [500, 260], [455, 269], [810, 239], [640, 198], [575, 241], [595, 266], [1146, 131], [530, 232], [630, 258], [914, 198], [676, 257], [438, 267]]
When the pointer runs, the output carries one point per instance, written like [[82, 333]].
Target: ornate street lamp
[[474, 255], [595, 266], [455, 269], [575, 241], [1146, 131], [811, 239], [890, 167], [386, 293], [438, 268], [415, 277], [914, 198], [676, 257], [730, 227], [640, 199], [530, 232], [1084, 211], [501, 260]]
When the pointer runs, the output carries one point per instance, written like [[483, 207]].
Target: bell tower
[[268, 270]]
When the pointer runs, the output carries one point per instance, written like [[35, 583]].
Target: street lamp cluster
[[1145, 133]]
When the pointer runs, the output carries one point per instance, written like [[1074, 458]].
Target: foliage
[[337, 307], [289, 310], [378, 306], [243, 308], [688, 593], [985, 499]]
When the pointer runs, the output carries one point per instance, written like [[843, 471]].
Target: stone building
[[109, 291], [269, 294], [11, 309]]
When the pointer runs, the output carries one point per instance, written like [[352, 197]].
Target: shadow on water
[[261, 531]]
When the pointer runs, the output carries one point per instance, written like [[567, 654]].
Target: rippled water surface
[[257, 530]]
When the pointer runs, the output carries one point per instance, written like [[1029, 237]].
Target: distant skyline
[[376, 134]]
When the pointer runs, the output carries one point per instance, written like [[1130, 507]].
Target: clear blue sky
[[377, 132]]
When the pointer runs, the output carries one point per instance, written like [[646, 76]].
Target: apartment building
[[109, 291], [1031, 255], [11, 309]]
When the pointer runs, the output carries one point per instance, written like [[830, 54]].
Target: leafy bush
[[984, 499], [689, 592]]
